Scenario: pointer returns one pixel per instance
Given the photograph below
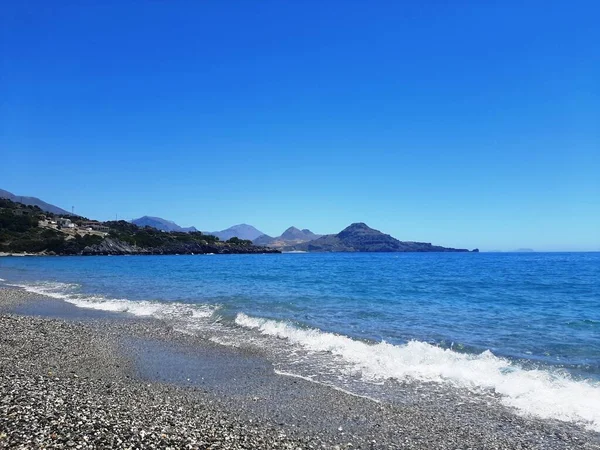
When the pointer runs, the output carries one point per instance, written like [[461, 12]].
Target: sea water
[[522, 327]]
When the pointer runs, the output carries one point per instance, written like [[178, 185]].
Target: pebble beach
[[72, 381]]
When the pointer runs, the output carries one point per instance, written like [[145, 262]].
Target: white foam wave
[[142, 308], [535, 392]]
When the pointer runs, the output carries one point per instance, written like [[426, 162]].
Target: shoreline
[[181, 390], [21, 255]]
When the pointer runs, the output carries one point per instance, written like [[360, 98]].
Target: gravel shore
[[101, 382]]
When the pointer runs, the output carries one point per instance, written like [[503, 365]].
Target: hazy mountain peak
[[35, 202], [241, 231], [291, 236], [292, 233], [158, 219], [161, 224], [359, 228]]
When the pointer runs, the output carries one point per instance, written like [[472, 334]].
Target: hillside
[[291, 236], [20, 231], [161, 224], [358, 237], [33, 201], [28, 229], [241, 231]]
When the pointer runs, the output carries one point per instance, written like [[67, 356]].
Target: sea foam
[[539, 393], [142, 308]]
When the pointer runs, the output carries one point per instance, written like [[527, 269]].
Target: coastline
[[73, 376]]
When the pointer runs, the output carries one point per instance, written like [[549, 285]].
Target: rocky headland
[[359, 237]]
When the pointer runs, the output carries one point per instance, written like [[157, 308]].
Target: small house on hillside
[[95, 225], [65, 223]]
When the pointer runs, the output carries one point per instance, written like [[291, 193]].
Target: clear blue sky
[[470, 124]]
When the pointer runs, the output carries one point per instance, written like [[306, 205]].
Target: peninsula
[[359, 237]]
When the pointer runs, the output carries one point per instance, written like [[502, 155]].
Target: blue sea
[[523, 328]]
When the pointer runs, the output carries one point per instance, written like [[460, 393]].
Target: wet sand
[[75, 378]]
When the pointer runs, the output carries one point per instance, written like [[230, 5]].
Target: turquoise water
[[521, 325]]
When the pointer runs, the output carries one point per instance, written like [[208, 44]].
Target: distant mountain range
[[358, 237], [241, 231], [291, 236], [161, 224], [35, 202]]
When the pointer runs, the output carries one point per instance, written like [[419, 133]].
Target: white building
[[66, 223]]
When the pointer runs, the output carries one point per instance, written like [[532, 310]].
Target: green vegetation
[[237, 241], [18, 227], [19, 232], [148, 237], [25, 229]]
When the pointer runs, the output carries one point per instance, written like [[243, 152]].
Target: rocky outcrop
[[358, 237], [113, 247]]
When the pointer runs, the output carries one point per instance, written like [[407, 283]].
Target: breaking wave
[[540, 393]]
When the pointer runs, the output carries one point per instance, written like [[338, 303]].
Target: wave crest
[[141, 308], [536, 392]]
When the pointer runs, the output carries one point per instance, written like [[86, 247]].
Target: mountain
[[291, 236], [241, 231], [358, 237], [35, 202], [161, 224], [294, 234]]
